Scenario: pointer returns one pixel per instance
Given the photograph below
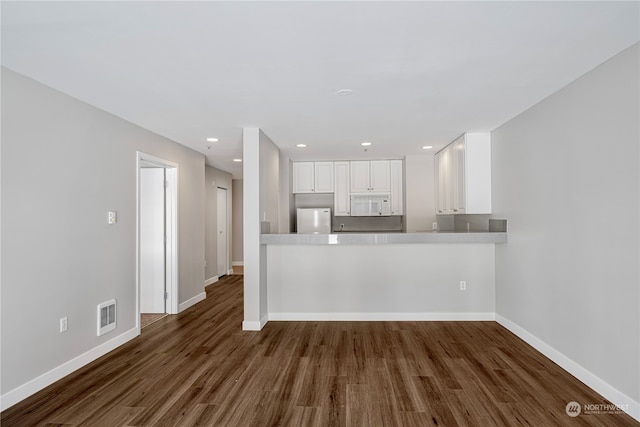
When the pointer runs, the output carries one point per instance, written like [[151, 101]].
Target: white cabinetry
[[397, 199], [463, 175], [313, 177], [370, 176], [341, 196]]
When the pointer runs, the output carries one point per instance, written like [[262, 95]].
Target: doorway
[[222, 232], [156, 261]]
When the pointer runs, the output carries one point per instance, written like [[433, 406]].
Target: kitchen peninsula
[[381, 276]]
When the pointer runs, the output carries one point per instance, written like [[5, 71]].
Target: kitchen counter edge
[[382, 238]]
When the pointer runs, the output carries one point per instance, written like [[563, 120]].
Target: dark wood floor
[[199, 368]]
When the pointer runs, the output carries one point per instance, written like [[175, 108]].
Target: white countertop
[[382, 238]]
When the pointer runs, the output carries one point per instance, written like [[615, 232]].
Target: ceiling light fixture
[[237, 160], [427, 147], [365, 144], [301, 145], [344, 92], [212, 139]]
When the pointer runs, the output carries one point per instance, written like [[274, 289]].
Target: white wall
[[64, 165], [237, 215], [261, 201], [215, 178], [419, 193], [381, 282], [565, 175]]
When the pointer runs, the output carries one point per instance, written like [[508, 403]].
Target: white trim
[[237, 263], [171, 175], [230, 271], [192, 301], [381, 317], [211, 280], [22, 392], [255, 326], [600, 386]]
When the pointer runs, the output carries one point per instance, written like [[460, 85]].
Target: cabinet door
[[396, 187], [341, 196], [437, 182], [380, 173], [323, 177], [459, 183], [359, 177], [303, 177], [446, 180]]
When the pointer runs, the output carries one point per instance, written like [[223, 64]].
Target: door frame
[[171, 229]]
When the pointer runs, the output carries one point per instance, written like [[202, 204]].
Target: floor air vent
[[106, 317]]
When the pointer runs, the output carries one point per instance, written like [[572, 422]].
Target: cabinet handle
[[455, 210]]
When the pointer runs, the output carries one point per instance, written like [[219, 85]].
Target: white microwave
[[370, 205]]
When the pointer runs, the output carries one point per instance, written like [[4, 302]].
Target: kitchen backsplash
[[367, 223]]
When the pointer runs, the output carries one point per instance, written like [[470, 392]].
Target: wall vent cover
[[106, 317]]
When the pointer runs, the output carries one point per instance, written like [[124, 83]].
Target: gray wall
[[215, 178], [64, 165], [565, 175], [420, 211], [237, 213]]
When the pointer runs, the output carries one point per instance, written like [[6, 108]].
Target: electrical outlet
[[112, 217], [463, 285], [434, 225], [63, 324]]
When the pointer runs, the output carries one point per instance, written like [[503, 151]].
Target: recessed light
[[344, 92], [301, 145], [237, 160], [427, 147], [212, 139], [365, 144]]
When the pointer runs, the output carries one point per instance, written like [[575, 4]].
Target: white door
[[223, 239], [152, 240]]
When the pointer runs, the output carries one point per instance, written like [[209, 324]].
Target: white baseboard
[[22, 392], [381, 317], [600, 386], [211, 280], [230, 271], [253, 325], [237, 263], [192, 301]]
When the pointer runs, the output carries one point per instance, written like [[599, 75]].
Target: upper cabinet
[[313, 177], [397, 194], [341, 196], [370, 176], [463, 175]]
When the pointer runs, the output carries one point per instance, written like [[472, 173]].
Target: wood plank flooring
[[200, 369]]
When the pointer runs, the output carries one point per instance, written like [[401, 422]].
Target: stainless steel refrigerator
[[313, 221]]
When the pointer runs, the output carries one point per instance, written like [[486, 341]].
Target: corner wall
[[565, 175], [420, 183], [237, 257], [65, 164], [261, 203]]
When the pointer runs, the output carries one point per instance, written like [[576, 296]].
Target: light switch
[[112, 217]]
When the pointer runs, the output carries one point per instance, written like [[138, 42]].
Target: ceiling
[[421, 73]]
